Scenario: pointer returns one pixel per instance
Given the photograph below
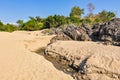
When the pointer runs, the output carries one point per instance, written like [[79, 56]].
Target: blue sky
[[13, 10]]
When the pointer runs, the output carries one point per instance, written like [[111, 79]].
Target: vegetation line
[[75, 17]]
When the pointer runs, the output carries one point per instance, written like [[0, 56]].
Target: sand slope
[[17, 62], [95, 60]]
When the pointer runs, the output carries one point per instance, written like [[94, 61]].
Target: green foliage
[[7, 27], [76, 12], [75, 20], [86, 21], [100, 18], [49, 22], [1, 23], [110, 15], [54, 21], [10, 27], [20, 22], [31, 25], [97, 21], [38, 19], [1, 26], [105, 16]]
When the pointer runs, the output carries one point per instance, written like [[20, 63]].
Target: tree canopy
[[54, 21]]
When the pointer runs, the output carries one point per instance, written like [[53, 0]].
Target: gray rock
[[72, 33], [60, 36], [108, 32], [78, 33]]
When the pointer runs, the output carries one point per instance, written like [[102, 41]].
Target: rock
[[52, 31], [56, 31], [95, 32], [108, 32], [72, 33], [87, 28], [83, 34], [91, 61], [60, 36], [77, 33]]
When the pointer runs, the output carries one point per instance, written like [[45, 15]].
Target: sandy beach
[[19, 62]]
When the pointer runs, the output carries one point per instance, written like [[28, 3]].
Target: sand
[[18, 61]]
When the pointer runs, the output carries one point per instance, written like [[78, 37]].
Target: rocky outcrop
[[78, 33], [72, 33], [108, 32], [90, 60]]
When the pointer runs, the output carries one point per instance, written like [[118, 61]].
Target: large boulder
[[91, 60], [78, 33], [108, 32]]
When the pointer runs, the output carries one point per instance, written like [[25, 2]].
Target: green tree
[[59, 20], [110, 15], [31, 25], [76, 12], [54, 21], [1, 23], [1, 26], [49, 22], [105, 16], [20, 22], [9, 27], [38, 19], [76, 15], [102, 17], [86, 21]]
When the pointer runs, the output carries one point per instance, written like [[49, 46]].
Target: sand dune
[[19, 62]]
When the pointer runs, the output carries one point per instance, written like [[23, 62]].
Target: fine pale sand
[[19, 62]]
